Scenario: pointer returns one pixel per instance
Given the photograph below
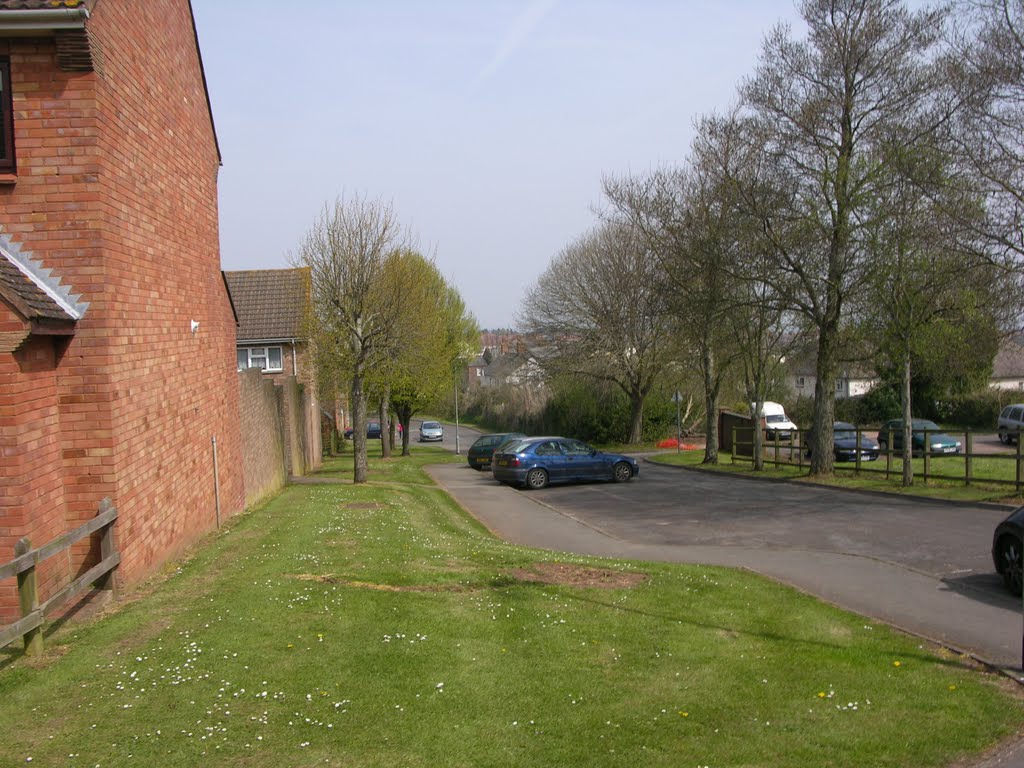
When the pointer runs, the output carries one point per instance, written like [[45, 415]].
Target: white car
[[431, 431]]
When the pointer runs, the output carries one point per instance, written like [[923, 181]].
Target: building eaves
[[64, 20], [33, 290]]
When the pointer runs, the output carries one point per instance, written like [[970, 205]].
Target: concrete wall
[[280, 432], [263, 455]]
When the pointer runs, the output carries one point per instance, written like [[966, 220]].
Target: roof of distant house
[[270, 303], [1009, 361]]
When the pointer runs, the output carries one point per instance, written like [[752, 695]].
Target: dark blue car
[[537, 461], [845, 444]]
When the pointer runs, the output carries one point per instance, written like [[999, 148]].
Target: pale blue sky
[[487, 125]]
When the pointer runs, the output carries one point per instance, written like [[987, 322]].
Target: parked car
[[372, 430], [481, 451], [775, 421], [1011, 420], [844, 443], [431, 431], [937, 441], [1006, 550], [537, 461]]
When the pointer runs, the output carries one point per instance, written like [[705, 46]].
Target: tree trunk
[[908, 441], [404, 414], [710, 407], [824, 403], [636, 418], [360, 463], [756, 415], [385, 428]]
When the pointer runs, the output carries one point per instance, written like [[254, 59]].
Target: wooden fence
[[23, 566], [793, 452]]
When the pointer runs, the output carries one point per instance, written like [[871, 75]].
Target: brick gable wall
[[116, 191]]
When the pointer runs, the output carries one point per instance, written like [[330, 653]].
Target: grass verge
[[378, 625]]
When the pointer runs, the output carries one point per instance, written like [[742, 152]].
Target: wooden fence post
[[969, 446], [28, 597], [111, 580]]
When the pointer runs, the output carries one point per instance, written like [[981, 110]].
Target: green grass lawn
[[378, 625]]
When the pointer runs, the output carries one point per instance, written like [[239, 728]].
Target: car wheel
[[536, 479], [1010, 560], [1004, 438], [622, 472]]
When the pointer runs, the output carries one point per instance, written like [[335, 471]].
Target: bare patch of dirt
[[379, 587], [566, 574], [371, 505]]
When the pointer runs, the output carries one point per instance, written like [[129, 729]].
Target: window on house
[[267, 359], [6, 118], [800, 382]]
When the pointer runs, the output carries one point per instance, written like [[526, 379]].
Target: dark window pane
[[6, 119]]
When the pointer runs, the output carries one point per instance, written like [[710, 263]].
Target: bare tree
[[352, 310], [687, 229], [991, 130], [821, 112], [599, 307]]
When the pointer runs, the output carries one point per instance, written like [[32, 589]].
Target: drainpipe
[[216, 479], [295, 361]]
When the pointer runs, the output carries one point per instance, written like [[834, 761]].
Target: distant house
[[271, 306], [1008, 366], [116, 328], [853, 380]]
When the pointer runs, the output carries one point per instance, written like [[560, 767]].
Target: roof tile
[[270, 303]]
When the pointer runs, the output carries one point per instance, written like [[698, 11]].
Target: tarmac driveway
[[923, 566]]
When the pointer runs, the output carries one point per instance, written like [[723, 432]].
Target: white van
[[775, 421]]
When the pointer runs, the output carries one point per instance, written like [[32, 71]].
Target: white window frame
[[262, 354]]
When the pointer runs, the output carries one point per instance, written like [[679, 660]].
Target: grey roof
[[33, 290], [1009, 361], [270, 303]]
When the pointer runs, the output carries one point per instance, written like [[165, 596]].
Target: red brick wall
[[32, 481], [116, 192]]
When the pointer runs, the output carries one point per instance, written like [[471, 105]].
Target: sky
[[487, 125]]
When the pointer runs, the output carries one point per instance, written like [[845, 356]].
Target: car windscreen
[[776, 418], [431, 425], [513, 446]]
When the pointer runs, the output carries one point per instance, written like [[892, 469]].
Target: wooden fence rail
[[793, 452], [23, 566]]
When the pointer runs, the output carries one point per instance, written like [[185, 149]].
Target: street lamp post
[[456, 419]]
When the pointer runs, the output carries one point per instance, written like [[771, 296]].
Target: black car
[[844, 443], [479, 454], [372, 430], [1006, 550]]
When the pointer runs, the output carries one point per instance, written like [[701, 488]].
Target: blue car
[[535, 462]]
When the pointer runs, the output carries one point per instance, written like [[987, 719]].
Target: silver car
[[431, 431]]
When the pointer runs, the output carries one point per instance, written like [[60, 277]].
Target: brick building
[[271, 307], [117, 335]]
